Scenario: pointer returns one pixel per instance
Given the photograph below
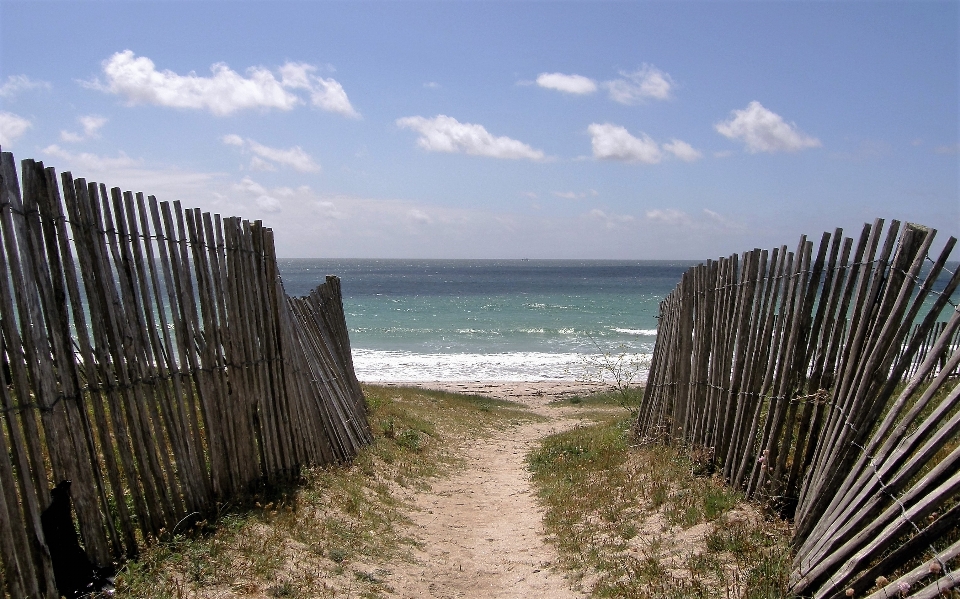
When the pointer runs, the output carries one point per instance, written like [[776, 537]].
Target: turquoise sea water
[[491, 319]]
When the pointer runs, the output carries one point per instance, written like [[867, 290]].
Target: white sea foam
[[378, 365], [639, 332]]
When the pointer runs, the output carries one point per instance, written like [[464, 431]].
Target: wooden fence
[[151, 356], [822, 384]]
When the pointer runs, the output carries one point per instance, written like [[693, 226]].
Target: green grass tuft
[[636, 521]]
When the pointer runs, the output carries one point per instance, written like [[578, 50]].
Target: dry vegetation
[[628, 521], [640, 522], [335, 532]]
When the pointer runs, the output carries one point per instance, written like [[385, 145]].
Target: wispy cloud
[[263, 199], [722, 221], [447, 134], [954, 149], [259, 164], [570, 84], [224, 92], [576, 195], [70, 136], [166, 182], [91, 124], [20, 83], [762, 130], [90, 161], [265, 158], [683, 150], [419, 217], [91, 129], [668, 216], [12, 126], [293, 157], [708, 220], [610, 221], [646, 83]]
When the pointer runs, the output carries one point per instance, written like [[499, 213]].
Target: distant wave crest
[[379, 365], [639, 332]]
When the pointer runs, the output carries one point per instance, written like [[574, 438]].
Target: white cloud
[[225, 92], [19, 83], [419, 216], [326, 94], [571, 84], [167, 183], [259, 164], [947, 149], [648, 82], [707, 221], [764, 131], [610, 221], [269, 204], [431, 85], [297, 75], [93, 162], [721, 221], [91, 129], [329, 96], [612, 142], [329, 210], [573, 195], [446, 134], [12, 127], [91, 124], [683, 150], [668, 216], [293, 157], [263, 199], [249, 186], [265, 156], [137, 79]]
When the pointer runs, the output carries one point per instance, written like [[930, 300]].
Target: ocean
[[493, 320]]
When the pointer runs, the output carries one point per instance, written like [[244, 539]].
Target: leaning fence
[[824, 385], [151, 357]]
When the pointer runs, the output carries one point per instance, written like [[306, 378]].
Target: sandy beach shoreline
[[526, 392]]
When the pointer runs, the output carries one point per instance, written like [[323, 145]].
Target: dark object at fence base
[[75, 575]]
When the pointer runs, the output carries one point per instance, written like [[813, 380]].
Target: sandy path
[[481, 527]]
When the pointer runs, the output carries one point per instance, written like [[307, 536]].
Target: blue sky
[[641, 130]]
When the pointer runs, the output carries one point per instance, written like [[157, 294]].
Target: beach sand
[[533, 394], [481, 527]]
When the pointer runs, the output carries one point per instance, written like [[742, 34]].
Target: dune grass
[[332, 532], [637, 521]]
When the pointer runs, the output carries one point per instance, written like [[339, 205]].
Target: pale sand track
[[480, 527]]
